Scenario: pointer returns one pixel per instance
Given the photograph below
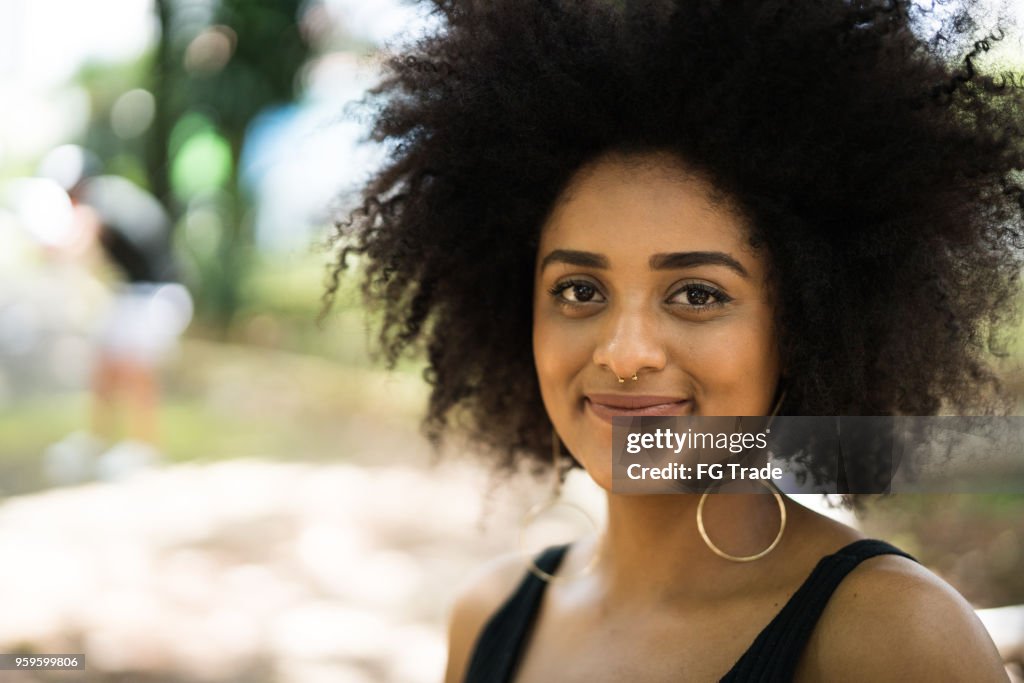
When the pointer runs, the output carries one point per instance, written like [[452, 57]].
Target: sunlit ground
[[296, 530]]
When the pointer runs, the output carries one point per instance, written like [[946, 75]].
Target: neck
[[652, 550]]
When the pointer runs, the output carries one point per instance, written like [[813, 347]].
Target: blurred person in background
[[148, 310]]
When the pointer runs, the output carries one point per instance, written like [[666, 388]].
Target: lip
[[607, 406]]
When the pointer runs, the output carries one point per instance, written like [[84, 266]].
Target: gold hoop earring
[[778, 406], [553, 501], [743, 558]]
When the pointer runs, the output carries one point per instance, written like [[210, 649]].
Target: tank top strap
[[777, 649], [498, 647]]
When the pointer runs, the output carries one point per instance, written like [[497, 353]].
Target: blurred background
[[197, 481]]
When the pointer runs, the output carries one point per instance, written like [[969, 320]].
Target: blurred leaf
[[203, 164]]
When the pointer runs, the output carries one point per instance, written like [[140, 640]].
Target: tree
[[216, 67]]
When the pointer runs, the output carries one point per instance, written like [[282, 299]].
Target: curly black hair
[[879, 166]]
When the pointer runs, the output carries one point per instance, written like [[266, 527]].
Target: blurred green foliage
[[212, 76], [216, 66], [976, 542]]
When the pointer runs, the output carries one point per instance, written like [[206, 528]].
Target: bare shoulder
[[893, 620], [479, 597]]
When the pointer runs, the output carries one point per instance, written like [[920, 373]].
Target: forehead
[[649, 203]]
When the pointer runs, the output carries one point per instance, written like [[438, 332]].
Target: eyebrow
[[671, 261], [587, 259], [689, 259]]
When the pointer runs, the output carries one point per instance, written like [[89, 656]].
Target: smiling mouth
[[608, 406]]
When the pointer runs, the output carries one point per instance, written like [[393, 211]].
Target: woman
[[597, 208]]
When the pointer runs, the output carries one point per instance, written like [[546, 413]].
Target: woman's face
[[639, 271]]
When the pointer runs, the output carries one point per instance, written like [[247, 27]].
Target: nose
[[630, 342]]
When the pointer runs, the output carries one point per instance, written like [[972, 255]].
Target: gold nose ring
[[621, 380]]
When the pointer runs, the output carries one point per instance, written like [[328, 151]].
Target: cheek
[[737, 367], [544, 358], [560, 352]]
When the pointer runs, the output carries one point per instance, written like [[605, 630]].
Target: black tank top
[[772, 657]]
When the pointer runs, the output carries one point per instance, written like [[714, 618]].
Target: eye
[[576, 292], [699, 295]]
